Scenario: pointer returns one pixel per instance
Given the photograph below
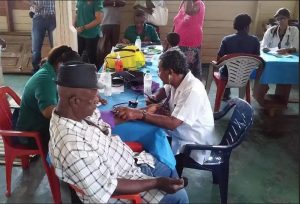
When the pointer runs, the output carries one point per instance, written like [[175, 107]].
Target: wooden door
[[17, 57]]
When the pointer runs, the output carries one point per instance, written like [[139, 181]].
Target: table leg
[[283, 90]]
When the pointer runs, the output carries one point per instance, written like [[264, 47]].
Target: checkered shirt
[[88, 157], [44, 7]]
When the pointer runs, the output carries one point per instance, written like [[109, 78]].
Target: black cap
[[282, 12], [78, 75]]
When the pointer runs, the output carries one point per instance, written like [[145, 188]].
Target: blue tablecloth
[[280, 70], [152, 137]]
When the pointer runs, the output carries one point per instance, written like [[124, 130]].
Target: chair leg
[[223, 182], [248, 92], [215, 177], [8, 168], [25, 162], [219, 95], [53, 182]]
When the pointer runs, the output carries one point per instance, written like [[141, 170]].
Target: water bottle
[[107, 83], [147, 84], [118, 64], [138, 42]]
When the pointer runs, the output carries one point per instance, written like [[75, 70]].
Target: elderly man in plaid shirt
[[85, 154]]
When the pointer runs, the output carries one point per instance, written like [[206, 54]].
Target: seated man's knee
[[178, 197]]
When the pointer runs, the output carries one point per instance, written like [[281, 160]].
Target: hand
[[282, 51], [102, 100], [126, 113], [265, 49], [153, 108], [80, 29], [3, 43], [125, 41], [170, 185], [151, 100]]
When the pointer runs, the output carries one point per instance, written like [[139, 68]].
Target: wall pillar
[[65, 33]]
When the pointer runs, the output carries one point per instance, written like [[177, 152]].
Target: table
[[280, 70], [153, 138]]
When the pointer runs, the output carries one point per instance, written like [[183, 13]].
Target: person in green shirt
[[89, 14], [146, 32], [40, 96]]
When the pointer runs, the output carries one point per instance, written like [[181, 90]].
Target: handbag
[[131, 56], [159, 16]]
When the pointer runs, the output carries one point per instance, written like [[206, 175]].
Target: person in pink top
[[188, 24]]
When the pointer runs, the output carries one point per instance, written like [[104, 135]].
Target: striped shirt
[[85, 154], [44, 7]]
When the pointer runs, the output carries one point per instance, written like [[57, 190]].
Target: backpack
[[131, 56]]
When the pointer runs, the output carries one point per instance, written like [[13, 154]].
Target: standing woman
[[188, 24], [283, 36], [88, 17]]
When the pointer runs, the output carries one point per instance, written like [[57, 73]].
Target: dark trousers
[[89, 45], [111, 34]]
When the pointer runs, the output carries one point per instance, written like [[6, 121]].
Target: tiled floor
[[263, 169]]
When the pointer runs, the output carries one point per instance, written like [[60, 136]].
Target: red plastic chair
[[239, 67], [135, 198], [12, 151]]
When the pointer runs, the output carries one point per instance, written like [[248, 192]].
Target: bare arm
[[190, 7], [92, 24], [47, 112], [168, 185], [164, 121]]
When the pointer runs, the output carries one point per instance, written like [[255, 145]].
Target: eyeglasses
[[281, 18]]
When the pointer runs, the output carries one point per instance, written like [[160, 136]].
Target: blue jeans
[[41, 24], [161, 170]]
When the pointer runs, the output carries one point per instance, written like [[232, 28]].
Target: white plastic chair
[[239, 67]]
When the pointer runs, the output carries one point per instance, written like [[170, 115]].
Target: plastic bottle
[[138, 42], [107, 83], [118, 64], [147, 84]]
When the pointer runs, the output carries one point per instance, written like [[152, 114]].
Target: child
[[172, 41]]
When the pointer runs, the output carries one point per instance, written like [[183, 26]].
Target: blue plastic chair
[[218, 161]]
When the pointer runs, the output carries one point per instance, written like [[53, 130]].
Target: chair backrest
[[239, 67], [5, 111], [240, 121]]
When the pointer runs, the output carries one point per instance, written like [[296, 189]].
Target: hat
[[282, 12], [78, 75]]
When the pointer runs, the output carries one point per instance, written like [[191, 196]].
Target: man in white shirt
[[189, 117], [85, 154]]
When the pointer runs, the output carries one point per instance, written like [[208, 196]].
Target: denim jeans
[[41, 24], [161, 170]]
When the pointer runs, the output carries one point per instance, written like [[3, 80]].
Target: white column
[[64, 33]]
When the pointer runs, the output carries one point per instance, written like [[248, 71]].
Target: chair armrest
[[189, 147], [11, 133], [135, 146]]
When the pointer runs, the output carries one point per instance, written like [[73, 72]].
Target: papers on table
[[273, 51]]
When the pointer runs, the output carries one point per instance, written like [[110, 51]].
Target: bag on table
[[131, 56]]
